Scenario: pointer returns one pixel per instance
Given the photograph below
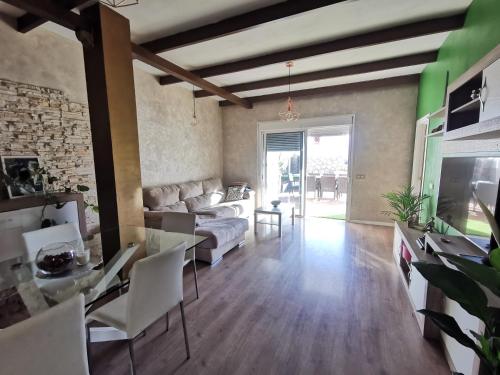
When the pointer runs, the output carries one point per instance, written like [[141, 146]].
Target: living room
[[128, 144]]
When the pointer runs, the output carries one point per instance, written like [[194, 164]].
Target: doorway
[[327, 171], [307, 163], [283, 167]]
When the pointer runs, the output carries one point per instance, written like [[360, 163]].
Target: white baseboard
[[368, 222]]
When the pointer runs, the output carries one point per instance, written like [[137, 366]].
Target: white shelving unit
[[435, 134], [440, 113], [469, 106], [488, 129]]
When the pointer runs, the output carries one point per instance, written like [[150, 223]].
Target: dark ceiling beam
[[392, 34], [357, 86], [50, 11], [398, 62], [144, 55], [29, 21], [235, 24]]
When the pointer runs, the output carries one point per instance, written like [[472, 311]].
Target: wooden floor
[[323, 299]]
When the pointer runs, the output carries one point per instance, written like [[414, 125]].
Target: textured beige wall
[[44, 59], [383, 140], [172, 150]]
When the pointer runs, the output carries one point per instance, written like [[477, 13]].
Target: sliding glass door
[[283, 164]]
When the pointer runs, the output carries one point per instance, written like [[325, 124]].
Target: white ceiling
[[337, 59], [338, 80], [327, 23], [155, 18]]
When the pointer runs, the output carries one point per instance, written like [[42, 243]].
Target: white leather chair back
[[11, 243], [180, 222], [36, 239], [155, 288], [52, 342]]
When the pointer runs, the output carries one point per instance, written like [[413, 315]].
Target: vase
[[56, 258]]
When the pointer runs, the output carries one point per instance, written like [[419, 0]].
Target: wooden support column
[[113, 117]]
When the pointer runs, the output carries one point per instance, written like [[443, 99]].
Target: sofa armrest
[[249, 194]]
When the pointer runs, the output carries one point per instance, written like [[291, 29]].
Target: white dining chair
[[155, 288], [36, 239], [52, 342], [182, 222], [11, 244]]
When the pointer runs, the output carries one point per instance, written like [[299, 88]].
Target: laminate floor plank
[[325, 298]]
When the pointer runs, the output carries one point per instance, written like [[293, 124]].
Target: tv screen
[[460, 178]]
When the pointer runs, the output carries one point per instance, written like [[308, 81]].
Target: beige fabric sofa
[[224, 222]]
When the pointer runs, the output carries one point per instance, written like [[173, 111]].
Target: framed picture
[[20, 175]]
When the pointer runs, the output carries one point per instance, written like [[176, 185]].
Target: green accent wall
[[462, 49]]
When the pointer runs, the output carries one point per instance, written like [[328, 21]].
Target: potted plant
[[405, 205], [473, 285], [49, 191]]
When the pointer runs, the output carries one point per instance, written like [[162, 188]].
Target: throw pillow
[[197, 203], [235, 193]]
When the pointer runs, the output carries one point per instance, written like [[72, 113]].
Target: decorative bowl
[[275, 203], [56, 258]]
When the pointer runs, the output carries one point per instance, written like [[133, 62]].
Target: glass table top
[[25, 291]]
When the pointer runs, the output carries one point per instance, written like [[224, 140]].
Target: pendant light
[[119, 3], [290, 114], [194, 120]]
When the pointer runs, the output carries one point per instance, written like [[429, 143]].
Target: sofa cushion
[[218, 211], [190, 189], [152, 219], [241, 208], [197, 203], [221, 231], [176, 207], [202, 201], [160, 196], [212, 185]]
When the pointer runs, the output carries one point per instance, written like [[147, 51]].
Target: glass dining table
[[25, 292]]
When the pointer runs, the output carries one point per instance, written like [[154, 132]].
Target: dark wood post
[[113, 116]]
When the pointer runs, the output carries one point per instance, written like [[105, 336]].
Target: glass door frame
[[303, 125], [263, 165], [350, 160]]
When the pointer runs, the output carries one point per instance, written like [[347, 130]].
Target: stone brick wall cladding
[[44, 122]]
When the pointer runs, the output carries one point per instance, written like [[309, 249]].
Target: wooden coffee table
[[273, 211]]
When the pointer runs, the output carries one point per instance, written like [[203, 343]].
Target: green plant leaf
[[457, 286], [493, 322], [405, 205], [491, 219], [485, 275], [494, 257], [486, 347], [450, 326], [82, 188]]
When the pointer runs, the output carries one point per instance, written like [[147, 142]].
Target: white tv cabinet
[[422, 295]]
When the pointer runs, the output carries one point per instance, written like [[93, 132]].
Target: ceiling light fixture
[[119, 3], [194, 120], [290, 114]]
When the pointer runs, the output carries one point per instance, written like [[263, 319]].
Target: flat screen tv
[[460, 178]]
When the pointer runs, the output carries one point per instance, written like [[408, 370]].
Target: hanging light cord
[[289, 78]]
